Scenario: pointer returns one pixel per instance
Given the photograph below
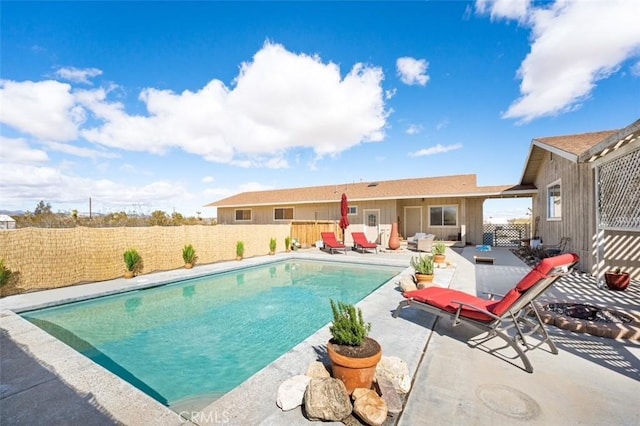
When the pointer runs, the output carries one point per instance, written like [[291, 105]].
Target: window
[[554, 201], [353, 210], [372, 219], [243, 215], [443, 216], [285, 213]]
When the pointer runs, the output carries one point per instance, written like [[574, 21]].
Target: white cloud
[[442, 124], [412, 71], [414, 129], [21, 183], [280, 101], [508, 9], [18, 151], [77, 75], [574, 45], [207, 179], [438, 149], [44, 109], [635, 69], [80, 151]]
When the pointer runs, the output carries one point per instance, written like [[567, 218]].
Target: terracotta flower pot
[[188, 265], [439, 258], [424, 278], [354, 372], [128, 274], [618, 281], [394, 238]]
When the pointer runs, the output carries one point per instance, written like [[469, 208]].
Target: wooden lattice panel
[[619, 192]]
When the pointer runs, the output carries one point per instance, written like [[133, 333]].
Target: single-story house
[[448, 206], [588, 189], [7, 222], [584, 187]]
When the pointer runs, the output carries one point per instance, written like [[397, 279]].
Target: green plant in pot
[[272, 246], [438, 250], [354, 356], [189, 256], [239, 250], [423, 265], [132, 263], [287, 244]]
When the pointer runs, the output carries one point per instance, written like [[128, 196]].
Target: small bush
[[422, 264], [272, 245], [348, 326], [132, 260], [5, 273], [439, 248], [287, 243], [189, 254], [239, 249]]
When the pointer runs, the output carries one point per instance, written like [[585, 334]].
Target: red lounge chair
[[360, 242], [515, 310], [330, 243]]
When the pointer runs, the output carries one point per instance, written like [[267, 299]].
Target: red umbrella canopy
[[344, 211]]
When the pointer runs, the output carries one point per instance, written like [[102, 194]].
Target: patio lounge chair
[[515, 310], [421, 242], [360, 242], [330, 243], [556, 249]]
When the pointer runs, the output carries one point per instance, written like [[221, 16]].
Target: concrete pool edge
[[121, 400]]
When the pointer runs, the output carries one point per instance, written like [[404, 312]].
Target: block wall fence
[[45, 258]]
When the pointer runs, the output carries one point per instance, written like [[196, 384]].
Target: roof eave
[[612, 143]]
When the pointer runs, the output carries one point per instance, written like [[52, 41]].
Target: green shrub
[[272, 245], [239, 249], [348, 327], [5, 273], [132, 260], [287, 243], [439, 248], [422, 264], [189, 254]]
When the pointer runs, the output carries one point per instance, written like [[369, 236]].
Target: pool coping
[[127, 403]]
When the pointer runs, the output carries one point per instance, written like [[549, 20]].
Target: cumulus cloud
[[44, 109], [412, 71], [507, 9], [22, 183], [80, 151], [574, 45], [280, 101], [16, 150], [438, 149], [635, 69], [77, 75]]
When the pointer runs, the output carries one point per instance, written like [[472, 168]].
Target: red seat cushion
[[443, 298]]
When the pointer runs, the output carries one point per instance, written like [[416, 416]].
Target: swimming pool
[[195, 340]]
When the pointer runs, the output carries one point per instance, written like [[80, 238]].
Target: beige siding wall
[[579, 218], [50, 258]]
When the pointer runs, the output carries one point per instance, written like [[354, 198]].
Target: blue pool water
[[195, 340]]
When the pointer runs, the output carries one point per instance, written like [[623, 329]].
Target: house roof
[[6, 218], [427, 187], [577, 148]]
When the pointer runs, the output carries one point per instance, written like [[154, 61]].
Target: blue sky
[[147, 106]]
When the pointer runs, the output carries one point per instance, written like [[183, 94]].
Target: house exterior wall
[[578, 220]]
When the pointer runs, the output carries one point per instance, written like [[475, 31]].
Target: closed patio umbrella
[[344, 211]]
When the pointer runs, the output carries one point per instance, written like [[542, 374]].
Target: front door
[[412, 221], [371, 222]]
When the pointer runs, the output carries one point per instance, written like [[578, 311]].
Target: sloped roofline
[[613, 142]]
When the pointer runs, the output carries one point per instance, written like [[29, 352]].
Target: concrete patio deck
[[592, 381]]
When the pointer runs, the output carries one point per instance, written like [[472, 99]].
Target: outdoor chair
[[515, 311], [421, 242], [360, 242], [556, 249], [330, 242]]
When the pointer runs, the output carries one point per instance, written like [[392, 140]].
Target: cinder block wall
[[44, 258]]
